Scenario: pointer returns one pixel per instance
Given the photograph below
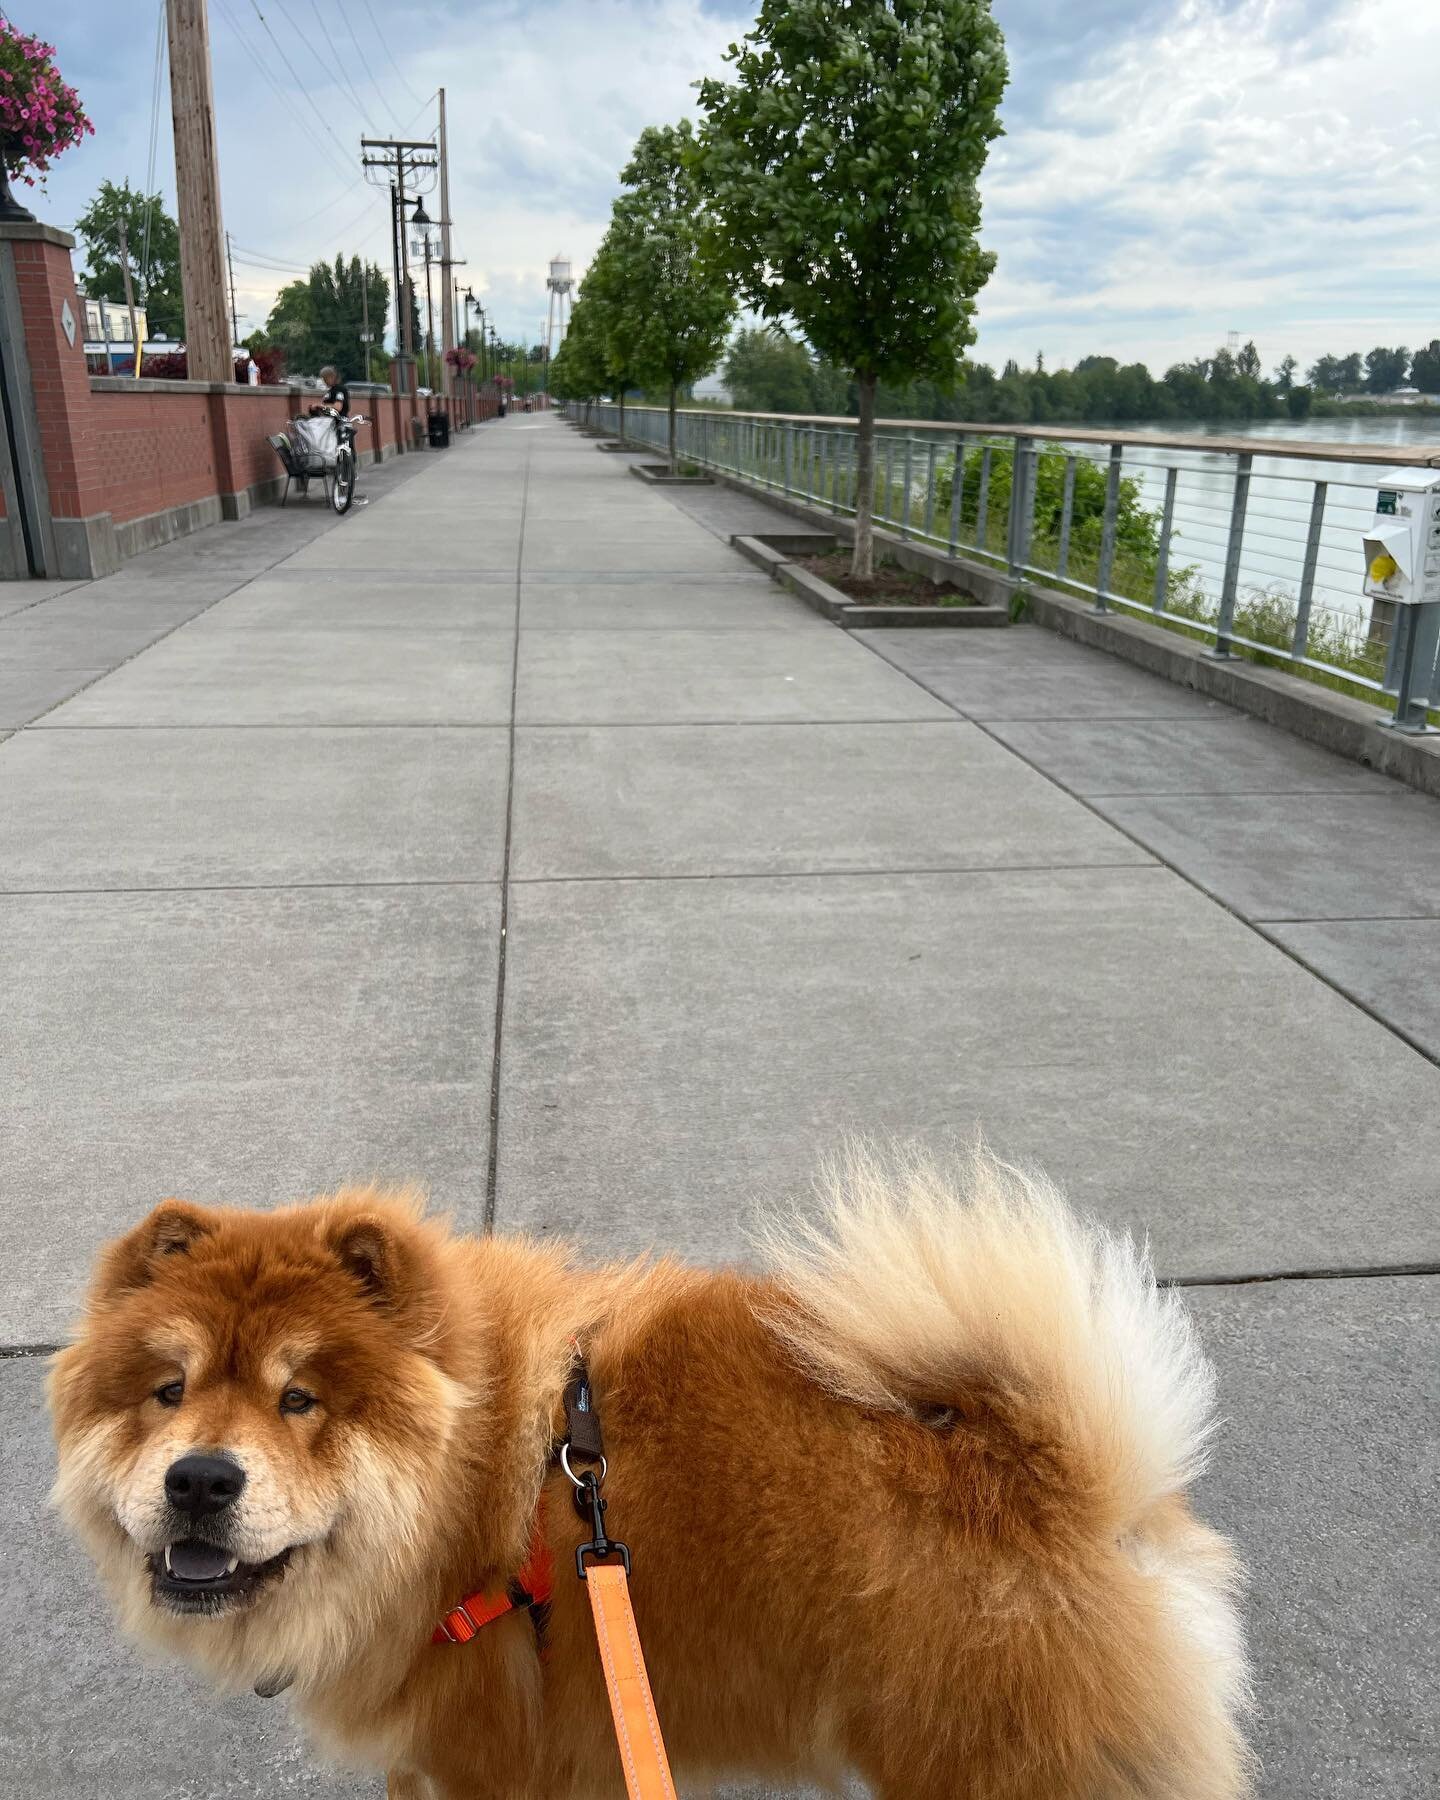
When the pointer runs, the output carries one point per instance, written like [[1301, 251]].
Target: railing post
[[1301, 638], [957, 490], [982, 503], [907, 473], [1107, 528], [835, 472], [1225, 624], [789, 432], [1167, 525], [1067, 514], [1022, 503], [928, 528]]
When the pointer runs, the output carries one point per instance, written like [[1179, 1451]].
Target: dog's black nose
[[199, 1484]]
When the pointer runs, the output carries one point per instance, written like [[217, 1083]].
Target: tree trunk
[[862, 563], [673, 469]]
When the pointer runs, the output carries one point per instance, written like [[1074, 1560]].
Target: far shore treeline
[[766, 370]]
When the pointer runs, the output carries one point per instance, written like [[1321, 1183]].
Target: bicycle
[[321, 444]]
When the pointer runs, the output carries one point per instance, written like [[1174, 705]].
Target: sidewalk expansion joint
[[492, 1166]]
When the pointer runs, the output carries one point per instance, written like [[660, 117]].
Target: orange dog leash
[[632, 1705]]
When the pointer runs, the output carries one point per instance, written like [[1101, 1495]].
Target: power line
[[154, 140], [286, 100], [380, 39], [363, 62], [336, 63], [324, 122]]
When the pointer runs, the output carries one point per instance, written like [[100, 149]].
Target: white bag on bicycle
[[316, 443]]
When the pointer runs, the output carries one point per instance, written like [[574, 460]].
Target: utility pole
[[447, 311], [129, 296], [197, 190], [234, 316], [365, 313], [399, 157]]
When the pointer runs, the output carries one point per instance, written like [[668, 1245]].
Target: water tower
[[559, 284]]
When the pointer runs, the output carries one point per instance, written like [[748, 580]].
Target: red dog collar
[[532, 1586]]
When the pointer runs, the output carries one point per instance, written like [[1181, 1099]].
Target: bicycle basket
[[316, 442]]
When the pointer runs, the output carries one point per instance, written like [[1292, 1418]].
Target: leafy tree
[[768, 371], [154, 261], [289, 323], [1385, 369], [1285, 374], [1337, 374], [319, 320], [578, 371], [842, 163], [337, 312], [668, 309], [1425, 368], [1297, 402], [604, 288], [1247, 363]]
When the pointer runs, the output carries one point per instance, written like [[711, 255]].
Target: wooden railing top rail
[[1390, 456]]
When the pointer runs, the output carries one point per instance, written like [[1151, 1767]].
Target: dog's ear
[[387, 1254], [172, 1229]]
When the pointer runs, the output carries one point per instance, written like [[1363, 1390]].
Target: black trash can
[[438, 424]]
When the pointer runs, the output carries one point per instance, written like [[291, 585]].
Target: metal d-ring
[[579, 1481]]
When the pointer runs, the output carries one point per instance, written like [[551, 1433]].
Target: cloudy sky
[[1172, 169]]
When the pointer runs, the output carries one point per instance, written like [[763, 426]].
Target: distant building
[[109, 322]]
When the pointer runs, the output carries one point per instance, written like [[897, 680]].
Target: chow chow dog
[[908, 1503]]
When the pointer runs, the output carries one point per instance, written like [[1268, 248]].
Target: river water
[[1278, 514]]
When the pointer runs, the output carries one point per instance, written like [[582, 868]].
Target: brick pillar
[[58, 524]]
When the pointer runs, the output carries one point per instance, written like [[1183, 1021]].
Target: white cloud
[[1178, 168], [545, 100], [1229, 170]]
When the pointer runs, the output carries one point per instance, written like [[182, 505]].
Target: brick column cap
[[33, 232]]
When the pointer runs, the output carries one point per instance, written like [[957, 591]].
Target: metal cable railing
[[1250, 545]]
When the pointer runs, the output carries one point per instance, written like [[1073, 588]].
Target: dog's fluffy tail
[[970, 1284]]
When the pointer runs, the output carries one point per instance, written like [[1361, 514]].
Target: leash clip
[[592, 1506]]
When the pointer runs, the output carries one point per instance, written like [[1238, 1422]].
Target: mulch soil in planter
[[890, 585]]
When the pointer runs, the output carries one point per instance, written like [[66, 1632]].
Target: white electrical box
[[1402, 544]]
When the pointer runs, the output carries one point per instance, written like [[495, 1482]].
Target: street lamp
[[427, 230]]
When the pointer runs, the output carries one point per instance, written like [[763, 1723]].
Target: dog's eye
[[171, 1394], [296, 1400]]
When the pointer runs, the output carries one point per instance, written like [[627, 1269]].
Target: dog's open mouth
[[191, 1576]]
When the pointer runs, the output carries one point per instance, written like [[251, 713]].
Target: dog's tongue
[[194, 1561]]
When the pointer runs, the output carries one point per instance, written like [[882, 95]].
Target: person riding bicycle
[[337, 395]]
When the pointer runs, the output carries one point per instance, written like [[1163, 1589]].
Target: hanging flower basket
[[39, 114], [460, 359]]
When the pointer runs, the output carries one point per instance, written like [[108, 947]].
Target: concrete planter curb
[[774, 552], [658, 475], [615, 448]]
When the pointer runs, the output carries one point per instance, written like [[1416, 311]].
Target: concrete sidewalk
[[745, 885]]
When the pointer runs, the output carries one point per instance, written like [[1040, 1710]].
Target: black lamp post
[[421, 245]]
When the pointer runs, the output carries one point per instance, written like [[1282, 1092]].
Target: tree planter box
[[775, 552], [617, 448], [658, 475]]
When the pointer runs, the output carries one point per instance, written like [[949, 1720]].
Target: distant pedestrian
[[252, 370]]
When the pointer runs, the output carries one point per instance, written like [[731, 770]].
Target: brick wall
[[116, 450]]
